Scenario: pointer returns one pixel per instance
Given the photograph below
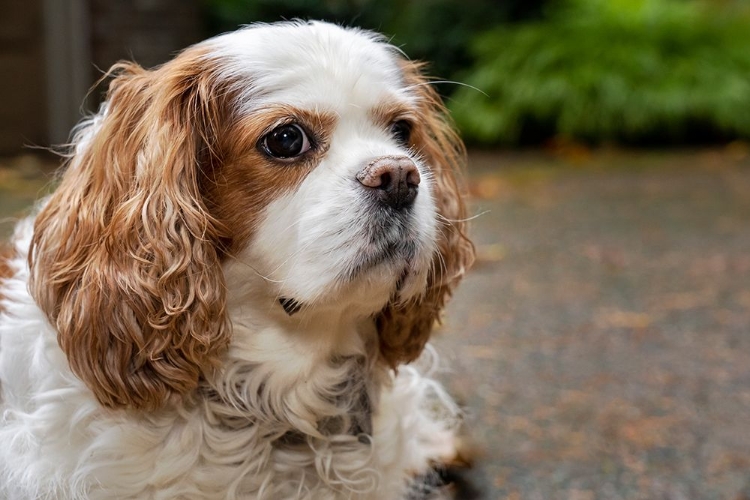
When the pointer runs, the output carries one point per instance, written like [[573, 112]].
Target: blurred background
[[601, 344]]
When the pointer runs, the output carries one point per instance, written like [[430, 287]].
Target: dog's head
[[318, 157]]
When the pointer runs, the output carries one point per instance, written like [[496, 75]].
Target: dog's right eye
[[286, 142]]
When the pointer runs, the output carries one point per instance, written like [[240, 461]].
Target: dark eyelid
[[287, 120], [292, 120]]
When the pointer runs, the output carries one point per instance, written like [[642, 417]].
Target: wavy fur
[[146, 351], [130, 278]]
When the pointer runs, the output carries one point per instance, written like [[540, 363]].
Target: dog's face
[[330, 130], [304, 165]]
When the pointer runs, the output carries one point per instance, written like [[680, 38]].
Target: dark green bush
[[437, 31], [631, 71]]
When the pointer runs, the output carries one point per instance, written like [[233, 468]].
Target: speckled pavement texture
[[601, 344]]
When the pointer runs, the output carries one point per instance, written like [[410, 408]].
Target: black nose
[[393, 179]]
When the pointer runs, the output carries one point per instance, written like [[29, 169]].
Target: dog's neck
[[305, 375]]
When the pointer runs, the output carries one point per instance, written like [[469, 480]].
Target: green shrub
[[631, 71], [437, 31]]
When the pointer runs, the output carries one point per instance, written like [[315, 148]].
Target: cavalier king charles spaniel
[[223, 295]]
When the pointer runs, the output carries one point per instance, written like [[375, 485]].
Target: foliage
[[437, 31], [632, 71]]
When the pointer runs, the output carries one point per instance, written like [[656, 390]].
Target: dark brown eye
[[401, 131], [286, 141]]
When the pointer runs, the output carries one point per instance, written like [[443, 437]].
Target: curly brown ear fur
[[123, 257], [405, 328]]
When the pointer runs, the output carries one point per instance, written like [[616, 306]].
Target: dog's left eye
[[401, 131], [286, 141]]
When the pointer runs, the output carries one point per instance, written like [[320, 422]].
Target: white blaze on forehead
[[303, 63]]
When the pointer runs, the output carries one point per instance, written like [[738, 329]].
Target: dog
[[223, 297]]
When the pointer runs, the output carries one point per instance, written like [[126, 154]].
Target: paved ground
[[602, 342]]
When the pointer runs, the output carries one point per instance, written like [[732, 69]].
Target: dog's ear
[[124, 254], [405, 328]]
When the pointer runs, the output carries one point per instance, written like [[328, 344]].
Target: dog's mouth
[[385, 261], [398, 253], [292, 306]]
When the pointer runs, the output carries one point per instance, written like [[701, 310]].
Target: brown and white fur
[[247, 247]]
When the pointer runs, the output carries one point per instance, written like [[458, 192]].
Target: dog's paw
[[457, 478]]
